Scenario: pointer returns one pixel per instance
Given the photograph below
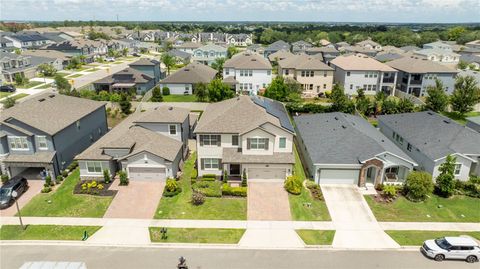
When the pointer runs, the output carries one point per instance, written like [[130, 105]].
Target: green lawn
[[460, 118], [74, 76], [46, 86], [63, 203], [451, 209], [197, 235], [179, 98], [63, 74], [317, 211], [5, 94], [316, 237], [19, 96], [30, 84], [45, 232], [416, 238], [179, 206]]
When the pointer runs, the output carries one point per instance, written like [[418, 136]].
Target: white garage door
[[147, 173], [338, 176], [266, 173]]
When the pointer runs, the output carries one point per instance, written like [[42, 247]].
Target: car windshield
[[443, 243], [5, 192]]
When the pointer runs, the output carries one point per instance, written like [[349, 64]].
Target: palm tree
[[168, 60], [218, 65]]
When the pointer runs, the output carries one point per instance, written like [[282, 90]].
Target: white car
[[455, 248], [110, 59]]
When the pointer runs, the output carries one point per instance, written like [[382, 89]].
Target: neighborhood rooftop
[[248, 60], [416, 65], [360, 62], [193, 73], [304, 62]]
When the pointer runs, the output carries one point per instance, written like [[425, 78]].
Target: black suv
[[7, 88], [18, 184]]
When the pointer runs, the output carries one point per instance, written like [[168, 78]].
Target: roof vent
[[170, 108], [186, 69], [336, 118], [344, 127], [430, 113], [253, 60], [41, 100], [51, 95], [446, 121]]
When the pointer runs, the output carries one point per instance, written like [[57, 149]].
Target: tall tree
[[168, 60], [125, 104], [156, 94], [284, 90], [200, 90], [465, 95], [362, 103], [378, 104], [437, 99], [218, 65], [218, 91], [445, 180], [405, 105], [340, 101], [47, 70], [231, 51]]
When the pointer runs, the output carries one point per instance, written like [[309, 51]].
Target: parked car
[[18, 184], [455, 248], [7, 88], [110, 59], [135, 54]]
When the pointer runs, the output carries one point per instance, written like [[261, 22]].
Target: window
[[250, 73], [227, 71], [325, 86], [42, 142], [18, 142], [210, 140], [172, 129], [303, 73], [257, 143], [458, 168], [94, 167], [234, 140], [269, 72], [348, 74], [325, 74], [210, 163], [286, 72], [409, 147], [282, 142], [241, 73], [351, 86]]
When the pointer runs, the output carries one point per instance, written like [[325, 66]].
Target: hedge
[[234, 191]]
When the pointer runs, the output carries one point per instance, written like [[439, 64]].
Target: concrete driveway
[[267, 201], [138, 200], [355, 224], [34, 188]]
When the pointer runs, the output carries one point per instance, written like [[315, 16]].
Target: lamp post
[[15, 195]]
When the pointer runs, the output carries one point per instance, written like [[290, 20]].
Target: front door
[[235, 169], [371, 174]]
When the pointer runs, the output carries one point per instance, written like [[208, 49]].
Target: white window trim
[[22, 139], [212, 161], [280, 144], [264, 143], [459, 170], [170, 130], [40, 143], [94, 165]]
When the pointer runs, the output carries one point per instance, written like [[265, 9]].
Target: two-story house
[[149, 146], [26, 41], [90, 49], [358, 71], [150, 67], [250, 70], [209, 53], [189, 47], [245, 135], [416, 75], [239, 40], [428, 138], [276, 46], [46, 132], [300, 46], [369, 44], [314, 76], [12, 64]]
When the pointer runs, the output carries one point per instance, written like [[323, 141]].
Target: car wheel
[[471, 259], [439, 257]]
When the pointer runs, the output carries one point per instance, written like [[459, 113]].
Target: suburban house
[[358, 71], [428, 137], [189, 47], [392, 49], [325, 43], [276, 46], [125, 80], [62, 59], [250, 70], [410, 48], [6, 44], [300, 46], [473, 44], [439, 55], [471, 60], [279, 55], [209, 53], [369, 44], [45, 133], [415, 75], [90, 49], [358, 50], [257, 48], [149, 67], [314, 76], [327, 53], [388, 56], [183, 81], [181, 57], [25, 41], [239, 40], [474, 123], [248, 135], [339, 148], [12, 64], [149, 146]]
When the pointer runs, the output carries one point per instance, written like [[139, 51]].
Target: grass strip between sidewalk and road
[[316, 237], [416, 238], [197, 235], [46, 232]]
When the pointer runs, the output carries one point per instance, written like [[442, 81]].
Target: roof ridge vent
[[170, 108], [41, 99], [52, 95], [446, 121]]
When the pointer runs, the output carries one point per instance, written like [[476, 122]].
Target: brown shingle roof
[[416, 65], [164, 114], [248, 60], [360, 62], [304, 62], [280, 55], [193, 73]]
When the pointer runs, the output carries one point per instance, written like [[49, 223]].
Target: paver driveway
[[138, 200], [34, 187], [268, 201], [354, 222]]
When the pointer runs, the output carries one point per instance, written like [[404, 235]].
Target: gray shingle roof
[[339, 138], [37, 157], [416, 65], [50, 112], [278, 45], [192, 73], [433, 134], [164, 114], [386, 57], [127, 75], [248, 60], [145, 61]]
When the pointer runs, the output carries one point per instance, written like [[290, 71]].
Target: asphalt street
[[13, 256]]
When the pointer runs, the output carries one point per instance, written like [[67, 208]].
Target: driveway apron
[[268, 201], [34, 188]]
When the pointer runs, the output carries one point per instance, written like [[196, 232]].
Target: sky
[[403, 11]]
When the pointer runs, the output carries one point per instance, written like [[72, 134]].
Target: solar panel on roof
[[275, 109]]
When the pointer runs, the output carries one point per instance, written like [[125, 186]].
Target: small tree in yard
[[446, 179], [20, 79], [292, 185], [166, 90], [62, 84], [9, 102], [362, 103], [437, 99], [47, 70], [200, 90], [465, 95], [198, 198], [418, 186], [123, 178], [405, 106], [106, 176], [219, 91], [125, 104], [340, 102], [156, 95], [168, 60]]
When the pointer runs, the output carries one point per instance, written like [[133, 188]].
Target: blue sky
[[435, 11]]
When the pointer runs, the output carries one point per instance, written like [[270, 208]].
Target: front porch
[[375, 172]]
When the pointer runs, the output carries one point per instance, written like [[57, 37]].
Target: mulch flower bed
[[93, 187]]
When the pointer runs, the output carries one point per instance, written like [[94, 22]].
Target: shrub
[[315, 190], [244, 174], [171, 188], [72, 166], [46, 189], [123, 178], [106, 176], [48, 181], [209, 176], [166, 91], [292, 185], [418, 186], [234, 191], [225, 176], [198, 198], [59, 179], [379, 187], [64, 173], [194, 174], [4, 178], [390, 191], [445, 181], [244, 183]]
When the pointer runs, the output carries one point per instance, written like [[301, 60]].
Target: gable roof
[[28, 37], [164, 114], [145, 62], [210, 47], [304, 62], [433, 134], [280, 55], [416, 65], [278, 45], [339, 138], [192, 73], [127, 75], [55, 54], [385, 57], [360, 62], [241, 114], [179, 54], [248, 60], [51, 112]]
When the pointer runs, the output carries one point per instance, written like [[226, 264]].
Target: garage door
[[266, 173], [147, 173], [338, 176]]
